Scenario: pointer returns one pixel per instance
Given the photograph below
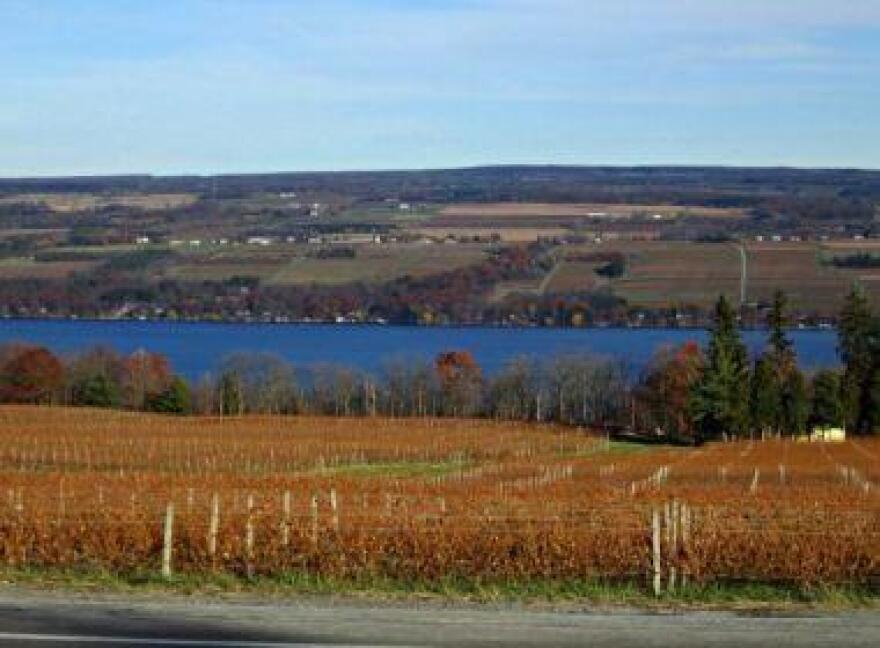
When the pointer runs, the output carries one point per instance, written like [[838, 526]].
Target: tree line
[[687, 393]]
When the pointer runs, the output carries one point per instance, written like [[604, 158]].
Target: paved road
[[37, 620]]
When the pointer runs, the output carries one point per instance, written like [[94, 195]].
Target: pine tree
[[855, 345], [766, 400], [780, 345], [827, 405], [176, 399], [795, 410], [97, 391], [720, 402], [786, 384]]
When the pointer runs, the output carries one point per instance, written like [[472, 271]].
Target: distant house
[[195, 243], [260, 240], [142, 240]]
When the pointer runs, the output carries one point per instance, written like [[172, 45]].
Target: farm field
[[72, 202], [292, 265], [28, 268], [426, 500], [550, 211], [379, 263], [506, 234], [662, 273]]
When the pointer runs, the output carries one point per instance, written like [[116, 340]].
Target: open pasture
[[423, 500]]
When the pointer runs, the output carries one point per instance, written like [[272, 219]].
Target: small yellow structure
[[825, 435]]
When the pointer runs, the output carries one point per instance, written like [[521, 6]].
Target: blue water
[[196, 348]]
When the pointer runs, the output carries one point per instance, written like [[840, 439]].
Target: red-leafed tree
[[665, 389], [29, 374], [461, 382]]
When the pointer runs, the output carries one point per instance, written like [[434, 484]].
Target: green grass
[[452, 588], [398, 469], [616, 448]]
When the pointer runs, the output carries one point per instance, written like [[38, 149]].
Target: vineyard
[[428, 499]]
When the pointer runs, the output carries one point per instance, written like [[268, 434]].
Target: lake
[[197, 347]]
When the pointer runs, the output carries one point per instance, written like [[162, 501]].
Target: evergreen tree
[[766, 400], [827, 405], [871, 414], [780, 345], [795, 410], [97, 390], [856, 348], [176, 399], [720, 402], [786, 384]]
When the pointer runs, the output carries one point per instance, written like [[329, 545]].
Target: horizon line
[[469, 167]]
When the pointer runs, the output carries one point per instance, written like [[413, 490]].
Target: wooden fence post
[[334, 508], [212, 528], [249, 537], [655, 549], [753, 489], [314, 519], [167, 540], [685, 539], [673, 547], [285, 519]]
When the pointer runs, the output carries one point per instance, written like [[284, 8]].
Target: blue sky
[[171, 86]]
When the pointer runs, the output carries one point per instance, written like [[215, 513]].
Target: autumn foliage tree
[[29, 374], [461, 382], [146, 376], [664, 393]]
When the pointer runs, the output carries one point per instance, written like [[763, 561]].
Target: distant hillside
[[800, 191]]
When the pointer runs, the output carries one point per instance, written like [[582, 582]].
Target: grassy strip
[[719, 595], [399, 469]]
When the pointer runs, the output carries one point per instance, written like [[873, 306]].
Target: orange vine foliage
[[428, 499]]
